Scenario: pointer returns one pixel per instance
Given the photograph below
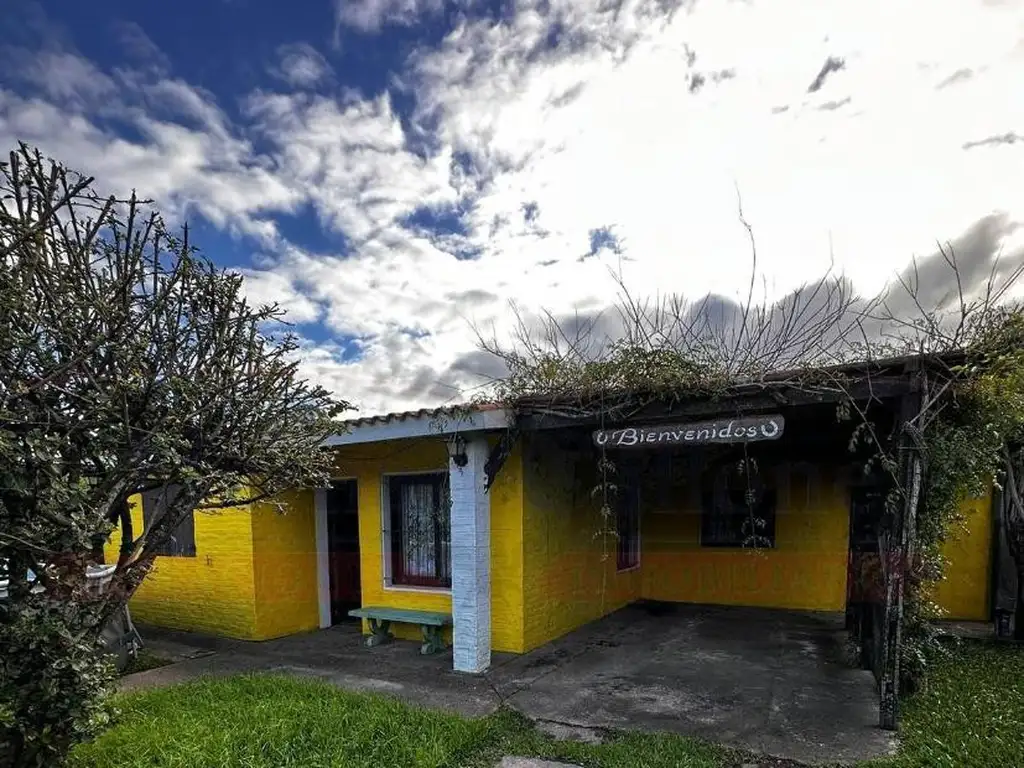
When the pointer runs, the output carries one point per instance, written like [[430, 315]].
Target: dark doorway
[[343, 548], [865, 598]]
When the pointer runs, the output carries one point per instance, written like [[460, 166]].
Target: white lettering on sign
[[749, 429]]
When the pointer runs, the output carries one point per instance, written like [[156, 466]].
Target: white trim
[[422, 590], [323, 572], [385, 534], [323, 551], [421, 426]]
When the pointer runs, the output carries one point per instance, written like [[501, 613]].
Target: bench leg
[[433, 640], [380, 633]]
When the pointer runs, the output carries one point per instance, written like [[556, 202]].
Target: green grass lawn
[[971, 714], [256, 721], [264, 721]]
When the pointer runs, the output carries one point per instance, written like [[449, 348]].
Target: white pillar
[[471, 560]]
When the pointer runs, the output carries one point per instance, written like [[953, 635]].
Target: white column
[[323, 574], [471, 560]]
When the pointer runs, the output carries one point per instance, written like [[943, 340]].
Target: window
[[627, 526], [419, 511], [738, 507], [183, 540]]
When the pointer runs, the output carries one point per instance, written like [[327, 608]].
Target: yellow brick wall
[[805, 570], [964, 593], [284, 547], [254, 574], [569, 563], [507, 556], [368, 464], [211, 592]]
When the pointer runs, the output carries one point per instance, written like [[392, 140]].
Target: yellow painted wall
[[507, 608], [964, 592], [569, 561], [367, 464], [254, 574], [805, 570], [211, 592], [284, 566]]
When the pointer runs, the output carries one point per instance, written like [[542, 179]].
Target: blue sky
[[397, 172]]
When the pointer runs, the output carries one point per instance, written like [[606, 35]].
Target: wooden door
[[343, 548]]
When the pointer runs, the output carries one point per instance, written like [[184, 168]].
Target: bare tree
[[127, 363]]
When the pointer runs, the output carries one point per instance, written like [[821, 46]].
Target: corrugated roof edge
[[451, 419], [426, 422]]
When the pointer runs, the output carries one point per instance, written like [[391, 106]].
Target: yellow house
[[523, 535]]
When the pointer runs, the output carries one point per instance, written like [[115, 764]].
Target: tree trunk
[[899, 554], [1018, 609], [1012, 512]]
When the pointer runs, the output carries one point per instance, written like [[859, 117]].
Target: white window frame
[[385, 534]]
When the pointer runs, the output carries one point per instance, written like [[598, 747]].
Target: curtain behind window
[[421, 534]]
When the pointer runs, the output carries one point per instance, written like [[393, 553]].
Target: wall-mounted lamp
[[457, 450]]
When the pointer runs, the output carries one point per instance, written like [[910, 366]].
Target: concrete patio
[[768, 681]]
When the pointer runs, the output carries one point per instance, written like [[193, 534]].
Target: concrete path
[[336, 655], [767, 681], [772, 682]]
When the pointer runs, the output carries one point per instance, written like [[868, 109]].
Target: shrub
[[53, 684]]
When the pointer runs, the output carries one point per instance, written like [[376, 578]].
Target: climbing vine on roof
[[961, 349]]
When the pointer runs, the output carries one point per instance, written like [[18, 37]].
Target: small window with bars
[[182, 542]]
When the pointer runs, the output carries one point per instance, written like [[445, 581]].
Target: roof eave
[[426, 425]]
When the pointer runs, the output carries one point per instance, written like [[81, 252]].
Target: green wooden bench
[[380, 618]]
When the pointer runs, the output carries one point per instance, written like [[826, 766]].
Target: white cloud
[[604, 130], [371, 15], [643, 116], [268, 288], [394, 373], [186, 156], [301, 65], [351, 158], [60, 76], [636, 149]]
